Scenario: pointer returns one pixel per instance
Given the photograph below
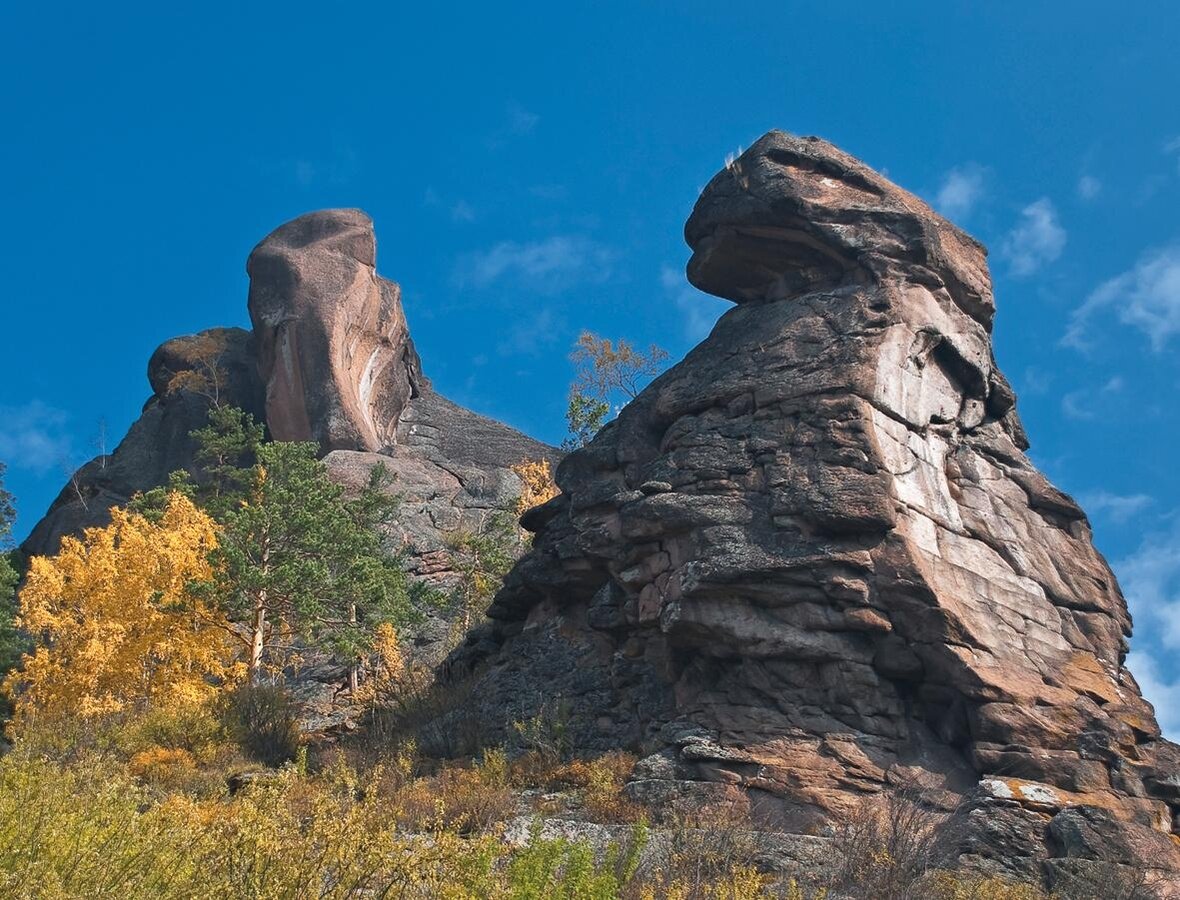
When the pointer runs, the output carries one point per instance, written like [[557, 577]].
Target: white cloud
[[1116, 507], [1073, 406], [1089, 187], [1036, 240], [1036, 381], [1146, 297], [34, 437], [1150, 578], [545, 266], [1173, 146], [1080, 404], [549, 191], [528, 336], [961, 189], [1163, 694], [700, 310], [462, 212], [518, 122]]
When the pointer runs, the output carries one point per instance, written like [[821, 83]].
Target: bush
[[956, 886], [710, 849], [426, 711], [88, 831], [264, 720], [599, 782], [546, 733], [568, 869], [465, 801], [194, 728], [888, 845]]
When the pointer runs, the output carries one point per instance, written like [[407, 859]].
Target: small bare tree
[[887, 845], [206, 376]]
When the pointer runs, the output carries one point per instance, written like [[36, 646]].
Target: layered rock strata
[[812, 561]]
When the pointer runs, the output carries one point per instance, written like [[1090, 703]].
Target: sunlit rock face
[[812, 561], [334, 349]]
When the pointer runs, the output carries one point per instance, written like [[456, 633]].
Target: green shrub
[[264, 720]]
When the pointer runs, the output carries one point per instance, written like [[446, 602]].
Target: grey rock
[[857, 570], [333, 346], [159, 442]]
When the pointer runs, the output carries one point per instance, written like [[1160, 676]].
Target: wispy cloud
[[529, 335], [1118, 508], [1162, 693], [1089, 187], [1146, 297], [1084, 402], [34, 437], [961, 189], [518, 122], [1036, 240], [544, 266], [1173, 147], [699, 310], [1036, 381], [549, 191], [1150, 578], [462, 211]]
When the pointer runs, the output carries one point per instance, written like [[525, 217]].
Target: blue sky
[[530, 167]]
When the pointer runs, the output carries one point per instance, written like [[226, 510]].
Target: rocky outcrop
[[330, 359], [811, 561], [187, 375], [334, 349]]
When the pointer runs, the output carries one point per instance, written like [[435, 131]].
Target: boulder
[[334, 350]]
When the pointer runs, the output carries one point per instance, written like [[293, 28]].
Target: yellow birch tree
[[115, 624]]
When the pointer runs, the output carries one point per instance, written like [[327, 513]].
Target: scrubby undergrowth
[[169, 805]]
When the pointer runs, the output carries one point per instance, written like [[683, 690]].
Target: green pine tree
[[226, 451], [227, 448], [12, 643], [299, 560]]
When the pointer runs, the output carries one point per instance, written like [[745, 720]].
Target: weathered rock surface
[[330, 359], [158, 443], [812, 561], [334, 349]]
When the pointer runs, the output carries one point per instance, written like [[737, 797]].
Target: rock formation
[[158, 443], [329, 359], [334, 349], [811, 561]]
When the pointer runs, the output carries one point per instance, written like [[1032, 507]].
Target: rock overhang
[[793, 215]]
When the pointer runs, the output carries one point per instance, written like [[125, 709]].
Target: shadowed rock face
[[159, 442], [333, 347], [812, 560]]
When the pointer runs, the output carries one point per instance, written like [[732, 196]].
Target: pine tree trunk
[[354, 670], [258, 636]]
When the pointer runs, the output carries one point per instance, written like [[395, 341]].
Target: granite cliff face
[[329, 359], [811, 561]]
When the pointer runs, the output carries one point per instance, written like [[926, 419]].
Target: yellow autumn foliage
[[116, 623], [386, 669], [537, 484]]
